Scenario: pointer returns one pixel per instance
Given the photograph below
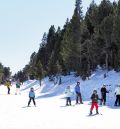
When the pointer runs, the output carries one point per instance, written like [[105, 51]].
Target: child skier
[[31, 97], [78, 93], [94, 98], [68, 94]]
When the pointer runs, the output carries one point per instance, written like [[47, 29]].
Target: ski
[[28, 106], [95, 114]]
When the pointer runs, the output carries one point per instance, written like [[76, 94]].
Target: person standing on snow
[[68, 94], [103, 94], [18, 84], [31, 97], [94, 98], [117, 93], [78, 93], [8, 84]]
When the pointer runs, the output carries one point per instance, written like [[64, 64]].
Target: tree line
[[81, 45], [4, 73]]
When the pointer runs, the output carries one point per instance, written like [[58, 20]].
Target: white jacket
[[68, 93], [117, 90]]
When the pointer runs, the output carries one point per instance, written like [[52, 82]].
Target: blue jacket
[[77, 88], [32, 94]]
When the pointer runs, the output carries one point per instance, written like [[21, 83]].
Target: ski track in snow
[[51, 112]]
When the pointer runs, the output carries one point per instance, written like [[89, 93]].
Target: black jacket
[[104, 90], [94, 98]]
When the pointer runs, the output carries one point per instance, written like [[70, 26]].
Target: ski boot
[[90, 113], [97, 112]]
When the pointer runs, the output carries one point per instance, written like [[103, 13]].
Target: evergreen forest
[[84, 42]]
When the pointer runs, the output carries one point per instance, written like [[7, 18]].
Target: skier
[[8, 84], [18, 84], [68, 94], [78, 93], [31, 97], [117, 93], [94, 98], [103, 94]]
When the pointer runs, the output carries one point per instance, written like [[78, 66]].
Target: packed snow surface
[[51, 112]]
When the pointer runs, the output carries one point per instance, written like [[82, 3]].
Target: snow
[[51, 112]]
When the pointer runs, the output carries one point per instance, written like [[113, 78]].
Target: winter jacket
[[94, 98], [68, 93], [32, 94], [104, 90], [18, 85], [117, 91], [8, 84], [77, 88]]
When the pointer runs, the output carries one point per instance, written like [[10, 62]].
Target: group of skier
[[94, 97], [8, 85], [18, 85]]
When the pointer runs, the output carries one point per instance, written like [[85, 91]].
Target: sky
[[23, 22]]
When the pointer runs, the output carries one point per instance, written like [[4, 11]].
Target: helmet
[[95, 91]]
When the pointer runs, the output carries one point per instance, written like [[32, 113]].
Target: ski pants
[[78, 98], [8, 90], [17, 91], [94, 104], [33, 99], [103, 95], [68, 101], [117, 100]]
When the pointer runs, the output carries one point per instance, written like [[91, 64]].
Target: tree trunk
[[40, 82], [106, 61]]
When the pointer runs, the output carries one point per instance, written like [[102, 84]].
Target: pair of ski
[[95, 114], [28, 106]]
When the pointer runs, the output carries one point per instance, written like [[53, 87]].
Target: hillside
[[51, 112]]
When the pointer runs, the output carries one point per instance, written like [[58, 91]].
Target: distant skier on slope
[[94, 98], [31, 97], [68, 94], [8, 84], [78, 93], [18, 84], [117, 93], [103, 94]]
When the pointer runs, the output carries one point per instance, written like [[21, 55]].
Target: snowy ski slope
[[51, 112]]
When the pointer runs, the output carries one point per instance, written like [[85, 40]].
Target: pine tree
[[106, 30], [116, 38], [90, 17], [50, 43], [104, 10], [54, 65], [42, 52], [6, 72], [71, 40], [1, 72], [79, 8]]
